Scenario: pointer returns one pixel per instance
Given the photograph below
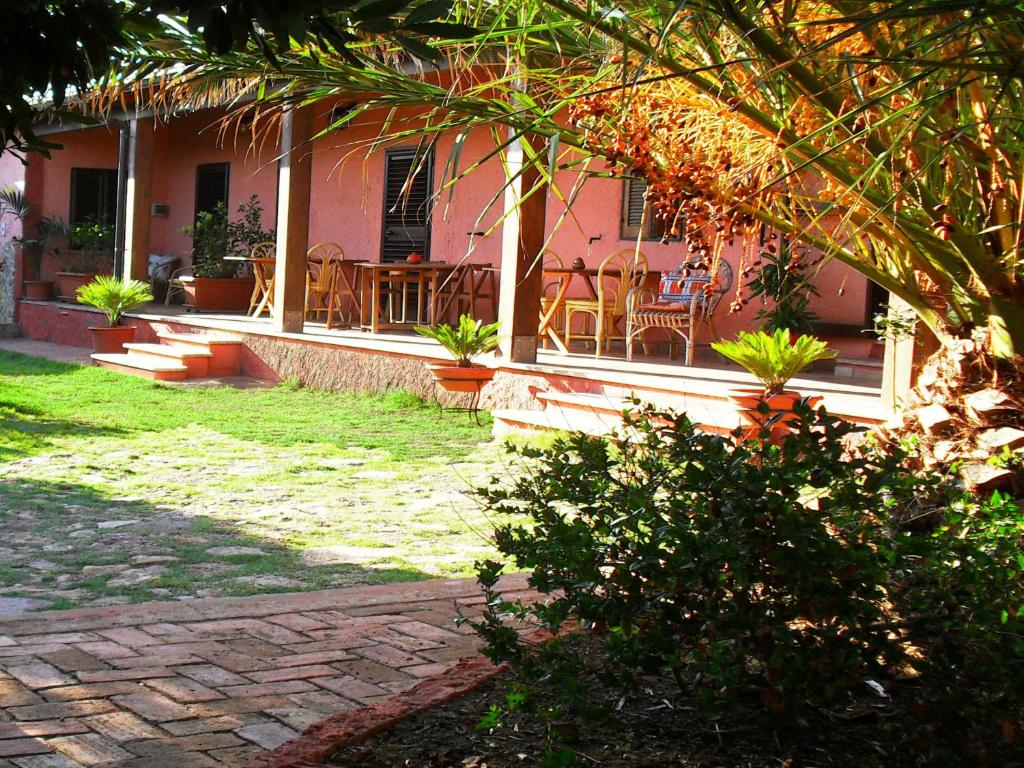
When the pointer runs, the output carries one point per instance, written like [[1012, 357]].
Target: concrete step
[[193, 356], [709, 414], [861, 369], [226, 350], [144, 366], [507, 421]]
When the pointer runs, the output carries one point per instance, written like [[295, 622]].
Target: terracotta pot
[[38, 290], [111, 340], [69, 282], [456, 379], [230, 294], [780, 407]]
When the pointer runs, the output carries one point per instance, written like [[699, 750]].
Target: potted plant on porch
[[774, 358], [215, 283], [469, 339], [115, 297], [14, 202], [90, 254]]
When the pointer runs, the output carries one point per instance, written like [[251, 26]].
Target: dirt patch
[[656, 725]]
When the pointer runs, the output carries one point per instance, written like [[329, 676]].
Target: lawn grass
[[41, 400], [320, 489]]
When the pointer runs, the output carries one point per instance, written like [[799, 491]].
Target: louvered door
[[406, 204], [212, 181]]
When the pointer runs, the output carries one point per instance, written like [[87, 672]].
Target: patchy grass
[[115, 489]]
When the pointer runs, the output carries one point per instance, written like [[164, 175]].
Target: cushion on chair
[[677, 287], [660, 307]]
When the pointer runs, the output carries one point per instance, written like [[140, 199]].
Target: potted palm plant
[[14, 202], [115, 297], [774, 358], [464, 342]]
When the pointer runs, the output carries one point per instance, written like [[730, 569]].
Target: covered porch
[[556, 390]]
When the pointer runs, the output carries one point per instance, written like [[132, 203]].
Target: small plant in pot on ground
[[774, 358], [114, 297], [466, 341]]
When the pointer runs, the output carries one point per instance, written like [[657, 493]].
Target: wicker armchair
[[683, 302]]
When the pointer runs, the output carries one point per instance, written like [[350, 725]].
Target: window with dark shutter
[[93, 195], [633, 206], [406, 204], [211, 186]]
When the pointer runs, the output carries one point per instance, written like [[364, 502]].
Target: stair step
[[174, 351], [865, 369], [194, 357], [140, 365], [507, 421], [225, 350], [710, 415]]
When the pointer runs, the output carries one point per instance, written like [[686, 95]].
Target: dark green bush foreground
[[780, 577]]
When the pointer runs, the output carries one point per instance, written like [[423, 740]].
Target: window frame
[[106, 194], [630, 231]]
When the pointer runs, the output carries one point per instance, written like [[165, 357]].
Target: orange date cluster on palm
[[701, 183]]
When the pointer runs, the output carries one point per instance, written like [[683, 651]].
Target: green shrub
[[743, 569]]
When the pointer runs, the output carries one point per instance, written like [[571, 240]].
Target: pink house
[[331, 189]]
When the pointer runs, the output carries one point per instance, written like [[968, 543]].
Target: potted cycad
[[464, 342], [14, 202], [774, 358], [115, 297]]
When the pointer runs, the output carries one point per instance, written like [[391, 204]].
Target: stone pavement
[[214, 682]]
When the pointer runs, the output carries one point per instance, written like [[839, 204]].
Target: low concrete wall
[[272, 358]]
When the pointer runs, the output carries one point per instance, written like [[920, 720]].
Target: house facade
[[180, 165]]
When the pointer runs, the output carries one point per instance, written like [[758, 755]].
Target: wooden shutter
[[407, 209], [632, 207], [93, 195], [211, 186]]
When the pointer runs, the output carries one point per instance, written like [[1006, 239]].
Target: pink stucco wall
[[347, 195], [180, 146]]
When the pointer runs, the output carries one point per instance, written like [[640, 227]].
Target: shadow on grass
[[25, 431], [86, 543], [86, 397]]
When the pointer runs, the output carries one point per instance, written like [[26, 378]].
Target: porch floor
[[645, 373], [651, 377]]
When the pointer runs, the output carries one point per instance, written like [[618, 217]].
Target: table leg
[[375, 303]]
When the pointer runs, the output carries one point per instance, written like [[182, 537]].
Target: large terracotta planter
[[38, 290], [231, 294], [456, 379], [68, 284], [111, 340], [780, 406]]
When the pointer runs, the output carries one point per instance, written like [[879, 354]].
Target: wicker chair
[[548, 294], [619, 275], [683, 302], [321, 266]]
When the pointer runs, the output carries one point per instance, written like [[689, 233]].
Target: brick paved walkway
[[213, 682]]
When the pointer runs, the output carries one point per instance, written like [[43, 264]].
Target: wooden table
[[565, 277], [263, 292], [424, 277]]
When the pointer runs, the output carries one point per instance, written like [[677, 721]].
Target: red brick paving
[[214, 682]]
